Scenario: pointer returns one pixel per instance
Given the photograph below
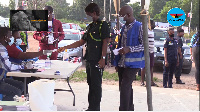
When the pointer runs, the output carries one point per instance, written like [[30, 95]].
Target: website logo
[[176, 16]]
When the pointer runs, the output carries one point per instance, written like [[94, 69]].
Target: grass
[[79, 76]]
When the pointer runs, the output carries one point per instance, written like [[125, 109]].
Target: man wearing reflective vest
[[130, 58], [55, 32]]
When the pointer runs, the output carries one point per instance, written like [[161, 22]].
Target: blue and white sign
[[176, 16]]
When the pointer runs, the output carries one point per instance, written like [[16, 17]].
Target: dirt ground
[[189, 79]]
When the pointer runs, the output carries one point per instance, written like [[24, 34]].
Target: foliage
[[81, 24], [4, 11], [136, 11], [159, 9], [82, 76], [12, 4]]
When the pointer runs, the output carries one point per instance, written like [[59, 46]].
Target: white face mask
[[18, 42], [121, 19], [12, 39]]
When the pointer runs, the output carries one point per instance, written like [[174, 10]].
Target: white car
[[71, 36]]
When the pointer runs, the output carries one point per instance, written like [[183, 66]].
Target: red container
[[1, 108]]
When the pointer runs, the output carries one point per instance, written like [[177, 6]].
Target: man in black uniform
[[170, 56], [96, 37], [180, 33]]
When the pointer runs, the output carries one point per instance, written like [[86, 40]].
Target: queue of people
[[129, 61]]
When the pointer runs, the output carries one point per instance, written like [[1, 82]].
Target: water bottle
[[48, 63], [65, 56]]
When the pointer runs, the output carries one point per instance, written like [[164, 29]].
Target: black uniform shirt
[[94, 35], [171, 45], [180, 43]]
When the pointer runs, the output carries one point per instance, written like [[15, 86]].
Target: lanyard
[[50, 28]]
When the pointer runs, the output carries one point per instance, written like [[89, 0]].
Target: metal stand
[[68, 90], [25, 79]]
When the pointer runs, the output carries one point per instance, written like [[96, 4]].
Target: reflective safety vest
[[132, 59]]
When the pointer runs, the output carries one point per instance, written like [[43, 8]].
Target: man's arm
[[74, 45], [29, 55], [180, 53], [179, 49], [165, 57]]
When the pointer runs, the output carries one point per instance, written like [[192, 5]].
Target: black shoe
[[89, 109], [179, 82], [170, 87]]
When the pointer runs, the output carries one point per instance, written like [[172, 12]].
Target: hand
[[181, 56], [191, 57], [61, 49], [177, 64], [124, 50], [102, 63], [166, 63], [44, 38], [116, 68]]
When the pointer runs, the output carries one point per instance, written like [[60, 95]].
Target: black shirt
[[171, 45], [94, 35]]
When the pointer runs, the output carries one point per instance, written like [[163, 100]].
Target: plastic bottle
[[65, 56], [48, 63]]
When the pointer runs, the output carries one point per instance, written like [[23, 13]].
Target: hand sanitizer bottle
[[48, 62]]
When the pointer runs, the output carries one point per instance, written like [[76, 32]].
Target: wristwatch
[[103, 57]]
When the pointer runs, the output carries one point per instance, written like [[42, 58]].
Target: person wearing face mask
[[49, 40], [171, 58], [96, 39], [130, 58], [15, 53], [8, 87], [180, 34]]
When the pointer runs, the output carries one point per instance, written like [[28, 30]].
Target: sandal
[[154, 84], [142, 84]]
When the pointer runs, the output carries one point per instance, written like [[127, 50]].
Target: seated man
[[8, 87], [15, 53]]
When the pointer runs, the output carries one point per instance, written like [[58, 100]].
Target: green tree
[[12, 5], [185, 5], [4, 11], [77, 11], [156, 6], [136, 11]]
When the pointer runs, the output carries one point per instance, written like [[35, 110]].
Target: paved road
[[163, 99]]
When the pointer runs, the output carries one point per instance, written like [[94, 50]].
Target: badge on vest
[[170, 43]]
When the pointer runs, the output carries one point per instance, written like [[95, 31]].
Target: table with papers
[[65, 68]]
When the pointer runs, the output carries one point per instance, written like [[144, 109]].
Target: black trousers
[[179, 69], [94, 80], [168, 74], [9, 88], [195, 53], [126, 77]]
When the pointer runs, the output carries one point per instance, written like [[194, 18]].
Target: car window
[[66, 26], [74, 27], [72, 37], [162, 35], [78, 27]]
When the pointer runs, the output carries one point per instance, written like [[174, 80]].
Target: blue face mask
[[11, 41], [18, 42]]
